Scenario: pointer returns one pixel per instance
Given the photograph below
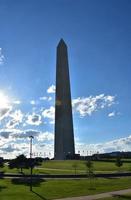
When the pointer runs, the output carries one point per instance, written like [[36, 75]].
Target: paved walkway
[[100, 196]]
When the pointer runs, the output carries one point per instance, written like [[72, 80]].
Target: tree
[[19, 162], [90, 171], [33, 162], [1, 162], [118, 162]]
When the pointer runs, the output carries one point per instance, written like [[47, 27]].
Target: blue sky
[[98, 35]]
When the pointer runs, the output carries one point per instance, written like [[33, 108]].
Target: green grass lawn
[[52, 189], [66, 167]]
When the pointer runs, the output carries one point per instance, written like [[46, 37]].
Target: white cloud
[[17, 115], [49, 98], [34, 119], [51, 89], [28, 133], [109, 99], [6, 133], [2, 58], [43, 98], [17, 102], [17, 133], [46, 136], [122, 144], [45, 150], [49, 113], [32, 102], [16, 119], [12, 150], [46, 98], [4, 112], [9, 148], [5, 106], [88, 105], [16, 142], [112, 114]]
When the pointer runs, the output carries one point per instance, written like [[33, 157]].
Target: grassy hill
[[66, 167]]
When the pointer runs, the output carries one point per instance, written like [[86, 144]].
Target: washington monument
[[64, 134]]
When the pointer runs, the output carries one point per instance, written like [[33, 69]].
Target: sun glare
[[4, 101]]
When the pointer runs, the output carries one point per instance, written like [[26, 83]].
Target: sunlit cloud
[[9, 148], [5, 106], [17, 115], [46, 98], [5, 133], [49, 113], [18, 134], [32, 102], [121, 144], [17, 141], [46, 136], [4, 100], [43, 98], [41, 144], [16, 126], [34, 119], [88, 105], [51, 89], [9, 133], [16, 119], [4, 112], [112, 114], [17, 102]]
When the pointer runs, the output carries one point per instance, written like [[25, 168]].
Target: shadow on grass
[[39, 195], [26, 181], [1, 174], [121, 196], [91, 188], [2, 187]]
